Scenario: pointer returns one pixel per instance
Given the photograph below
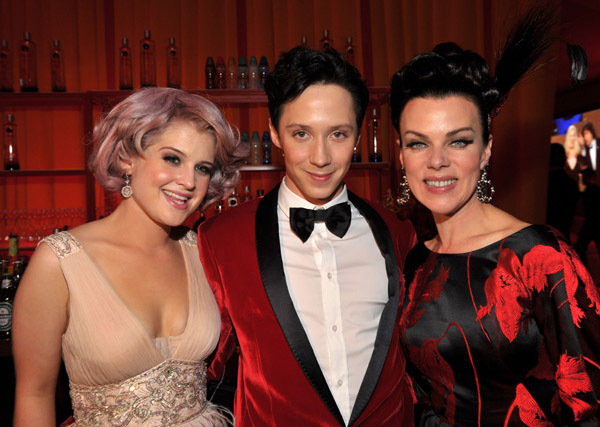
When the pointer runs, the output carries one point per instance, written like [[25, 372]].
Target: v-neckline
[[135, 319]]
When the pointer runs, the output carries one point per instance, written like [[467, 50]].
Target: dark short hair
[[300, 67], [589, 126]]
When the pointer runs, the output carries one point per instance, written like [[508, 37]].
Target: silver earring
[[485, 190], [404, 190], [126, 190]]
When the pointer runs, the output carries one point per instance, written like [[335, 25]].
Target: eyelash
[[206, 170], [419, 144]]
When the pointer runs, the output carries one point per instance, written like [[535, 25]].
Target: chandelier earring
[[485, 190], [404, 190], [126, 190]]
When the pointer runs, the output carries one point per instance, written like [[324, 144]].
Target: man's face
[[317, 133], [588, 137]]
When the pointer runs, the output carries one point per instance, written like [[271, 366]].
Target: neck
[[133, 225], [459, 232]]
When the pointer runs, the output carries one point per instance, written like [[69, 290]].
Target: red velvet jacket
[[279, 379]]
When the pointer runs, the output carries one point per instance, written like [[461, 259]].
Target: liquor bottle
[[11, 158], [125, 66], [245, 141], [221, 74], [356, 154], [147, 60], [255, 149], [13, 252], [173, 65], [28, 65], [374, 150], [234, 199], [7, 297], [326, 42], [242, 74], [304, 42], [253, 73], [57, 67], [246, 194], [263, 71], [349, 51], [209, 70], [18, 270], [232, 78], [266, 148], [6, 72]]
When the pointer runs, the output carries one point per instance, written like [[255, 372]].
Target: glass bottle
[[6, 72], [326, 42], [125, 66], [356, 154], [263, 71], [234, 199], [173, 65], [13, 252], [209, 70], [349, 51], [374, 149], [28, 65], [242, 74], [246, 194], [255, 149], [148, 60], [11, 158], [245, 141], [253, 73], [232, 82], [221, 74], [266, 148], [57, 66], [7, 296]]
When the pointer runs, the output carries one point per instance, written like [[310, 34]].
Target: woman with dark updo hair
[[501, 318]]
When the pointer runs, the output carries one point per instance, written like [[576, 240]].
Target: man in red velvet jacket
[[309, 278]]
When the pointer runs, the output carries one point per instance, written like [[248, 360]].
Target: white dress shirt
[[339, 289]]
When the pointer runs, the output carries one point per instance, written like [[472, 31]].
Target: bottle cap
[[263, 61], [244, 136], [242, 61], [125, 41], [266, 136], [146, 34], [210, 61], [255, 135], [27, 36], [9, 117], [57, 44], [253, 60], [172, 41]]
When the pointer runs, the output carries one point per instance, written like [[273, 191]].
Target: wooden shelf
[[42, 172], [49, 99]]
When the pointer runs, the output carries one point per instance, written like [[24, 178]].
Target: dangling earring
[[126, 190], [404, 190], [485, 189]]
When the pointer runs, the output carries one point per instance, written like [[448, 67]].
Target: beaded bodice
[[168, 394]]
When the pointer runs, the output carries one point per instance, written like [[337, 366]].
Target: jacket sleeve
[[227, 339]]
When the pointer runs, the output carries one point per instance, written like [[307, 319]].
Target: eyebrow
[[451, 133], [177, 150], [300, 125]]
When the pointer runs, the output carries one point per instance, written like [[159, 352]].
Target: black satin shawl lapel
[[268, 251], [388, 316]]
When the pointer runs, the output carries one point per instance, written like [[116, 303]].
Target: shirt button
[[334, 328], [340, 383], [329, 275]]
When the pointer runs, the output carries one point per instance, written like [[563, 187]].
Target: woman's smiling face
[[443, 152]]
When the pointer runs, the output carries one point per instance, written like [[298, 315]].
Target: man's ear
[[274, 135]]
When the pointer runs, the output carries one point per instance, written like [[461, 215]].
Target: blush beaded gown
[[120, 375]]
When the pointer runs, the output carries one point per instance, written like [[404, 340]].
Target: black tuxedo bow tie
[[336, 219]]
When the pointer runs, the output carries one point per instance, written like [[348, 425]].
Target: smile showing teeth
[[440, 183], [176, 197]]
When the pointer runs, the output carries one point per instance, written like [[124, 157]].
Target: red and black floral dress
[[505, 335]]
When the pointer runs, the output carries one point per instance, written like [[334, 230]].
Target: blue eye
[[415, 145], [203, 169], [459, 143], [172, 159]]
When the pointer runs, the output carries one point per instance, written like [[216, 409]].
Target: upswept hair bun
[[450, 70], [127, 130]]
